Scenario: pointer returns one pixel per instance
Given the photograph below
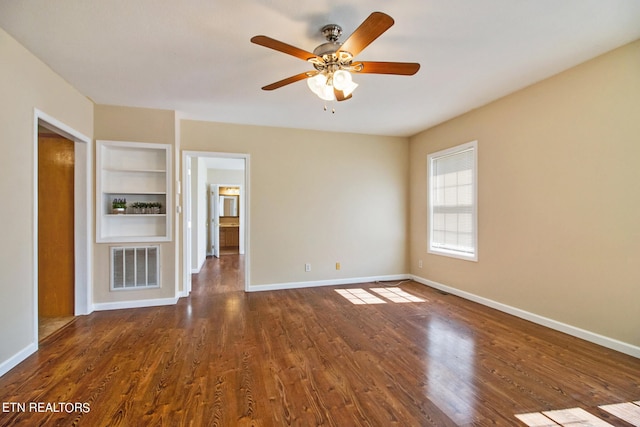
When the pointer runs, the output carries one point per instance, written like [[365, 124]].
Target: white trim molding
[[319, 283], [118, 305], [17, 358], [593, 337]]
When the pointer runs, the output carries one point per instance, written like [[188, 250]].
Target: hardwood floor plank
[[307, 357]]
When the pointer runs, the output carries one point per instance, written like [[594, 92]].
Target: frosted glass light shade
[[318, 85], [316, 82], [343, 82]]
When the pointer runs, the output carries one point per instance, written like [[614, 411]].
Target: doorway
[[201, 172], [226, 219], [56, 222], [63, 157]]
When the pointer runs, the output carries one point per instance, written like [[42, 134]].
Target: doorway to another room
[[62, 225], [216, 201], [224, 214], [56, 263]]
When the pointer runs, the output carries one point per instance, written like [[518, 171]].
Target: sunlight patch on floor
[[396, 295], [361, 296], [562, 417], [629, 412]]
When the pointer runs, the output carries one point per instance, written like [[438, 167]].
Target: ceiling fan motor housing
[[332, 58], [331, 32], [327, 48]]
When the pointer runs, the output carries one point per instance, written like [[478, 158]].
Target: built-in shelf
[[140, 174]]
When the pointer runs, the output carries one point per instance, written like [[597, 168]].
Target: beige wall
[[25, 83], [559, 196], [319, 198], [136, 125]]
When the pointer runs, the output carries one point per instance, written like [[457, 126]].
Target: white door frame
[[83, 214], [186, 202], [214, 219]]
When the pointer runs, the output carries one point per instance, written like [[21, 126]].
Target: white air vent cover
[[135, 267]]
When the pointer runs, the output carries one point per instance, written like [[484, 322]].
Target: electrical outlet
[[337, 266], [307, 267], [420, 263]]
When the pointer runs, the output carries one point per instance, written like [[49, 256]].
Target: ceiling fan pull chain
[[333, 110]]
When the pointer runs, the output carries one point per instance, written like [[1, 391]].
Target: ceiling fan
[[334, 61]]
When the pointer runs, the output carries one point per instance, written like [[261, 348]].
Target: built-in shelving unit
[[140, 174]]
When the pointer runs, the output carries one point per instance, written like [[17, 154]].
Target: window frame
[[473, 145]]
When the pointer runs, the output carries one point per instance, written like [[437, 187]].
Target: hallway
[[219, 275]]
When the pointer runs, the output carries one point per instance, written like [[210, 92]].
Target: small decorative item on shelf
[[141, 208], [119, 206], [154, 208], [137, 207]]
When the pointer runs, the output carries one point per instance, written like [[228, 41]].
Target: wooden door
[[56, 253]]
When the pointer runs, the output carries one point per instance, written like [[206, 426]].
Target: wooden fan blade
[[282, 47], [401, 68], [372, 27], [290, 80]]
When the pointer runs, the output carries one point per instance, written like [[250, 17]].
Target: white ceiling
[[194, 56]]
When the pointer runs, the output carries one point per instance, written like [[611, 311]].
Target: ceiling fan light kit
[[334, 61], [318, 85], [325, 85]]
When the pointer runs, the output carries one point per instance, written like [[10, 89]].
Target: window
[[453, 224]]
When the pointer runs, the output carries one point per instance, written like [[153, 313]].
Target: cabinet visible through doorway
[[229, 237]]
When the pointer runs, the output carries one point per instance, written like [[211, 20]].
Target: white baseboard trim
[[317, 283], [134, 304], [14, 360], [593, 337], [197, 269]]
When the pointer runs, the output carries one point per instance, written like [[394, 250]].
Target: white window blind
[[452, 202]]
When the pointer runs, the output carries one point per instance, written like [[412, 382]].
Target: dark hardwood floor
[[308, 357]]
